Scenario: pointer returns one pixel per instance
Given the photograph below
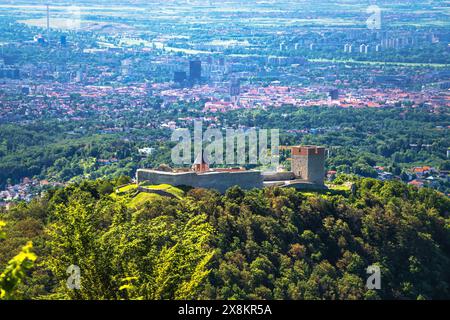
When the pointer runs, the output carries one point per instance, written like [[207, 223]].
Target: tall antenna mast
[[48, 23]]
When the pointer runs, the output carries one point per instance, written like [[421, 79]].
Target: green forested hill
[[260, 244]]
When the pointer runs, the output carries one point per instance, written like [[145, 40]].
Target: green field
[[137, 198], [167, 188], [142, 198]]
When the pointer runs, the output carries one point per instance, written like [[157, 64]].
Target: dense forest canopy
[[272, 243]]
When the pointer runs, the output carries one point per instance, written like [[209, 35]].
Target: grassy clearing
[[127, 188], [343, 187], [142, 198], [134, 198], [167, 188]]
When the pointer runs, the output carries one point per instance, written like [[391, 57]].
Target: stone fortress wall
[[220, 181], [308, 171], [278, 176]]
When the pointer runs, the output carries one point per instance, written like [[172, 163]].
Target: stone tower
[[308, 163]]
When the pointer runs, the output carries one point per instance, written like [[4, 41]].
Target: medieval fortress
[[307, 172]]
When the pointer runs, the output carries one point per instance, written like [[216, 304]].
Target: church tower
[[201, 163]]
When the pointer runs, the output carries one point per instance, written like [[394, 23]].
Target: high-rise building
[[179, 76], [25, 90], [9, 60], [40, 40], [334, 94], [9, 73], [235, 90], [16, 74], [195, 70], [125, 66], [235, 87], [63, 40], [78, 76]]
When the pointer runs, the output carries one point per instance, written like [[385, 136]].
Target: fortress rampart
[[220, 181], [307, 163]]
